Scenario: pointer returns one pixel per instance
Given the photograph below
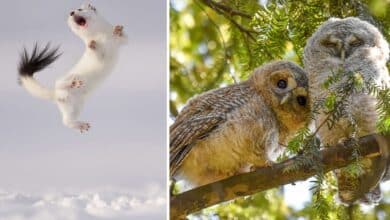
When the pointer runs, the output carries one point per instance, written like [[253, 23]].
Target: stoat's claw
[[92, 44], [76, 83], [84, 127], [118, 30], [62, 99]]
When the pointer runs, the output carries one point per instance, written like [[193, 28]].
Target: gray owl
[[352, 46], [224, 131]]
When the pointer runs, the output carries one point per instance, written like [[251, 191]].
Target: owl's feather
[[202, 116], [352, 46]]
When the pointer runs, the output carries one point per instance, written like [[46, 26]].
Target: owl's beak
[[285, 98], [342, 54]]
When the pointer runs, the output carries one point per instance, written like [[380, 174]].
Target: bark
[[266, 178]]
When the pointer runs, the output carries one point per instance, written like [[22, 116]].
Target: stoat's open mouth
[[80, 20]]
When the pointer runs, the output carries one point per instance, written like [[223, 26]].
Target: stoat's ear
[[89, 6]]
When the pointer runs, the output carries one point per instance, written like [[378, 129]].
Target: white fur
[[91, 69], [35, 89]]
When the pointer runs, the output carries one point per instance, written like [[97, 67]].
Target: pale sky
[[125, 152]]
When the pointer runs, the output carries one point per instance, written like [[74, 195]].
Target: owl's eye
[[282, 84], [356, 43], [327, 43], [301, 100]]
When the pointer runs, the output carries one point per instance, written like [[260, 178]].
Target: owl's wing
[[202, 115]]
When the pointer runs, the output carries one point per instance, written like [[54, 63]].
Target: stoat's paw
[[76, 83], [62, 99], [92, 44], [83, 126], [118, 30]]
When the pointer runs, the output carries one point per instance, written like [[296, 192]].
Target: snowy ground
[[84, 205]]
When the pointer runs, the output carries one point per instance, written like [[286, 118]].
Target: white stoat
[[102, 42]]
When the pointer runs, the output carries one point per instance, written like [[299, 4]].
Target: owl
[[225, 131], [352, 46]]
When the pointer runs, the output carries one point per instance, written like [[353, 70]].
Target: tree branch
[[228, 13], [227, 9], [266, 178]]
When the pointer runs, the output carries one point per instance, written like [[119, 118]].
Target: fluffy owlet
[[352, 46], [224, 131]]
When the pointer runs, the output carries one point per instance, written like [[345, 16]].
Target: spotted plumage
[[225, 131], [350, 45]]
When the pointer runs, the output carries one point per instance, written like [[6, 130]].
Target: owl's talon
[[252, 168]]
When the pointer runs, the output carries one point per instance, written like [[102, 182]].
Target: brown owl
[[225, 131], [350, 45]]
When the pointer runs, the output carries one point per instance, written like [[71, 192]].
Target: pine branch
[[269, 177], [225, 8], [228, 13]]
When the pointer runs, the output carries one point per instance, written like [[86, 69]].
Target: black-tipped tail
[[38, 60]]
